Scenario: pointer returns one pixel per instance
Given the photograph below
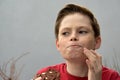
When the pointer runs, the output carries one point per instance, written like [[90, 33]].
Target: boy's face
[[75, 33]]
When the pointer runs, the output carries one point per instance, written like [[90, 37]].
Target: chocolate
[[51, 74]]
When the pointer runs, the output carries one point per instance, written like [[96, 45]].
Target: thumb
[[88, 64]]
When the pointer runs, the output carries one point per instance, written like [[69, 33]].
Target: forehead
[[75, 20]]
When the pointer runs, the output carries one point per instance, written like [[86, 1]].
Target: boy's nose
[[73, 39]]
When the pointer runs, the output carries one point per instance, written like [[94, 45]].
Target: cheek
[[62, 44], [89, 43]]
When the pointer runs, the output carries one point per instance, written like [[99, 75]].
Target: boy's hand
[[94, 62]]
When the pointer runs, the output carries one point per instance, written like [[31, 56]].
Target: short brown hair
[[71, 9]]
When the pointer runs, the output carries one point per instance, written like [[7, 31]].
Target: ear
[[98, 42], [57, 44]]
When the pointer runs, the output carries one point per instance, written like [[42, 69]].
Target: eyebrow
[[79, 27], [67, 28]]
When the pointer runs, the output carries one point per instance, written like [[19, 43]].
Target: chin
[[76, 58]]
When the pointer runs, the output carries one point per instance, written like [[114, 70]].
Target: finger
[[98, 56], [95, 53], [88, 64], [89, 54], [94, 60]]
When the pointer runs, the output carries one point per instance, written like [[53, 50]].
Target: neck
[[77, 69]]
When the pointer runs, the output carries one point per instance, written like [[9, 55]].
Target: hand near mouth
[[94, 63]]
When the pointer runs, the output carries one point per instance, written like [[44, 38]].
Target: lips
[[75, 46]]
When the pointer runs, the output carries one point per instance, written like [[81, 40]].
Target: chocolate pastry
[[51, 74]]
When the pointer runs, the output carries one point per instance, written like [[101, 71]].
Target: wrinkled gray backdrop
[[27, 26]]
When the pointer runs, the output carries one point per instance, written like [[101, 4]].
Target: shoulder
[[110, 73], [56, 67], [108, 70]]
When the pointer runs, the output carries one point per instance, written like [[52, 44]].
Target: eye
[[83, 32], [65, 33]]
